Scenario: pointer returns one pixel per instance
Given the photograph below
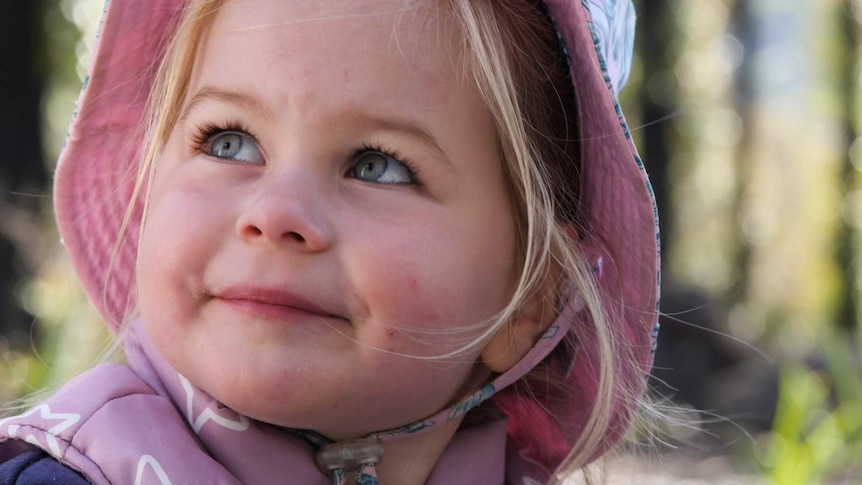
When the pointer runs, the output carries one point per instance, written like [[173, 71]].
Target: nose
[[286, 212]]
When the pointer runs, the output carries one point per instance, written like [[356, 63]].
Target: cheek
[[178, 236], [423, 287]]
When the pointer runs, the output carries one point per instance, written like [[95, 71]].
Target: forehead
[[329, 67], [417, 41]]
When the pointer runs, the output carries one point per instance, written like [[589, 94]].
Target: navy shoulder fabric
[[35, 467]]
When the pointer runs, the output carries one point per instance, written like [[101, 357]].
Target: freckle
[[391, 333], [413, 283], [345, 74]]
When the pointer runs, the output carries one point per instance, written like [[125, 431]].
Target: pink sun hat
[[97, 170]]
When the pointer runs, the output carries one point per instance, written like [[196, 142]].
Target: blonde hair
[[512, 54], [521, 72]]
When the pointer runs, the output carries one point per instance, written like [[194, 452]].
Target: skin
[[294, 290]]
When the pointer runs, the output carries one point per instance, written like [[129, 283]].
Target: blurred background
[[748, 114]]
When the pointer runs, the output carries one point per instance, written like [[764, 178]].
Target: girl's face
[[330, 200]]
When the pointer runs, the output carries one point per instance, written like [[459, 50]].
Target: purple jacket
[[146, 424]]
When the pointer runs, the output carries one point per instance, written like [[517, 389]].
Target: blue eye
[[377, 167], [234, 146]]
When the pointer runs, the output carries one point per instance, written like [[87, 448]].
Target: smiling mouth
[[272, 304]]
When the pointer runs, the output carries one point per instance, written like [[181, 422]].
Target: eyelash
[[373, 147], [204, 132]]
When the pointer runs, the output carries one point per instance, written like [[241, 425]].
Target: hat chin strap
[[338, 458]]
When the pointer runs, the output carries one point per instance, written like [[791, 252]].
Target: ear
[[517, 336], [512, 342]]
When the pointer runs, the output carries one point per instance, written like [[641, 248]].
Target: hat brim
[[97, 169]]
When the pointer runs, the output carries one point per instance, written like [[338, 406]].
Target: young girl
[[396, 240]]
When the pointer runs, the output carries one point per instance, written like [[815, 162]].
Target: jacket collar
[[256, 452]]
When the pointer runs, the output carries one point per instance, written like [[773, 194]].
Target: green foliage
[[817, 435]]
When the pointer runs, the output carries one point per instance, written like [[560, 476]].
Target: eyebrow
[[242, 100], [409, 128], [253, 104]]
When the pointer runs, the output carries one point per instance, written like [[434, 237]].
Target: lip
[[272, 303]]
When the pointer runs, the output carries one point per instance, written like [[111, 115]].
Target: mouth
[[272, 304]]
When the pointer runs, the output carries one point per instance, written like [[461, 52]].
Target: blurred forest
[[748, 114]]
